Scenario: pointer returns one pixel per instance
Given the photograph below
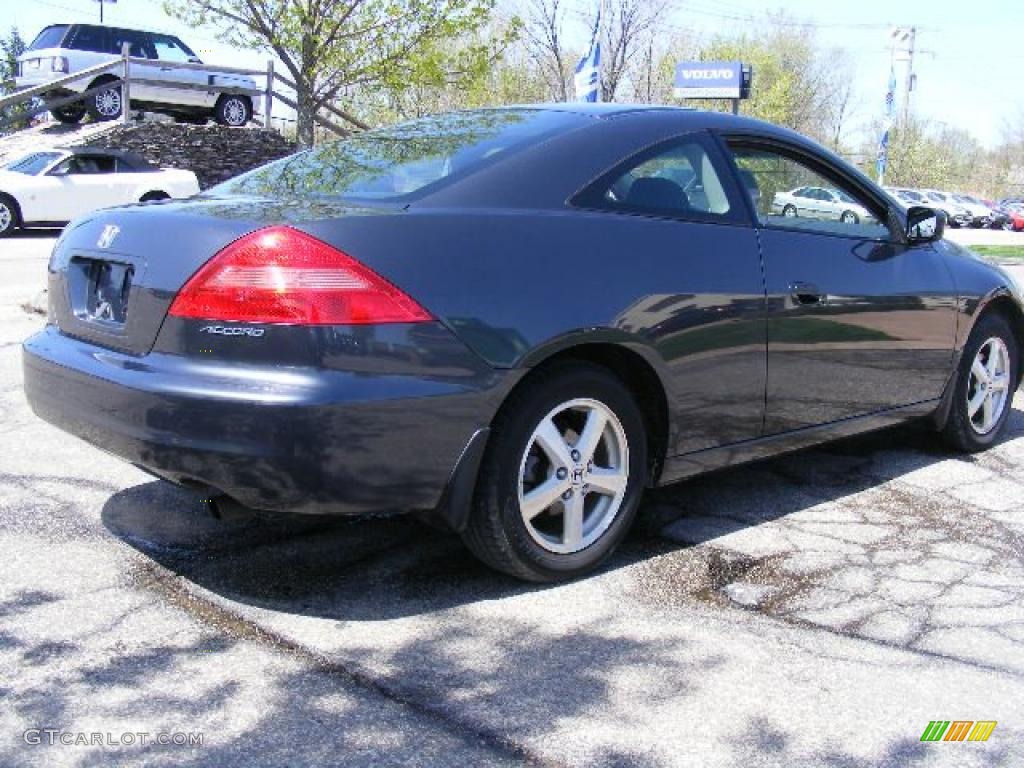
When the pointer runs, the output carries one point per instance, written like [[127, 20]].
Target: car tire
[[1008, 226], [971, 427], [544, 419], [849, 217], [233, 110], [10, 215], [789, 210], [106, 104], [150, 197], [69, 114]]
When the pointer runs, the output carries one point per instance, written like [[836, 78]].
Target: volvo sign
[[712, 80]]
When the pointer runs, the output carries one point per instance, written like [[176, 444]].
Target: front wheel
[[848, 217], [789, 211], [562, 475], [233, 110], [986, 381]]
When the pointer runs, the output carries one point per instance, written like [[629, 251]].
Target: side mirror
[[925, 225]]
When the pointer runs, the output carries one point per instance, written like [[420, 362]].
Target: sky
[[969, 64]]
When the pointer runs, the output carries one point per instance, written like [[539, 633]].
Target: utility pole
[[904, 39]]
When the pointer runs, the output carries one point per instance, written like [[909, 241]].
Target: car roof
[[129, 158], [113, 26]]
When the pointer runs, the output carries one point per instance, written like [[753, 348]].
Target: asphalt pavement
[[817, 609]]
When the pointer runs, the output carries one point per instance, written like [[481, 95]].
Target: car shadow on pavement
[[379, 568]]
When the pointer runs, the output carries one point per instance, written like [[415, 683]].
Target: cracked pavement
[[816, 609]]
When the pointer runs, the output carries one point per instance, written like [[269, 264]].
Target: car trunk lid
[[113, 276]]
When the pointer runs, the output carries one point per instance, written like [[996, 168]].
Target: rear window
[[399, 161], [32, 165], [50, 37]]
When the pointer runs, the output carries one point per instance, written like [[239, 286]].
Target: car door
[[171, 53], [84, 183], [857, 321], [139, 47], [705, 316]]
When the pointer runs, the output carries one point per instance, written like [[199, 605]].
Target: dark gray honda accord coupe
[[516, 320]]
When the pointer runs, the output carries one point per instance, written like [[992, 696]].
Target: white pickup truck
[[63, 49], [55, 186]]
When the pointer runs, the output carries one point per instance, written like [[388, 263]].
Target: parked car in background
[[55, 186], [62, 49], [1014, 216], [819, 203], [956, 214], [515, 320], [1000, 216], [981, 214]]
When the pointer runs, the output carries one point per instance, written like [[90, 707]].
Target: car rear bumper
[[282, 439]]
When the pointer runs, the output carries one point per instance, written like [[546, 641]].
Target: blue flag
[[882, 161], [587, 79]]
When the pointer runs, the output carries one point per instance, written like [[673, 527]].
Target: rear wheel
[[10, 216], [789, 210], [985, 384], [848, 217], [105, 104], [155, 195], [69, 113], [562, 476], [233, 110]]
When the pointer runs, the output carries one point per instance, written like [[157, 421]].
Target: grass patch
[[1000, 251]]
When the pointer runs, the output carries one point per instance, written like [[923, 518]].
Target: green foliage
[[797, 83], [11, 47], [340, 50]]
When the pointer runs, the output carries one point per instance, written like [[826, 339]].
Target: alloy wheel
[[108, 103], [234, 112], [573, 475], [6, 217], [988, 390]]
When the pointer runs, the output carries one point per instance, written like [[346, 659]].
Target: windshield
[[50, 37], [32, 165], [842, 195], [394, 162]]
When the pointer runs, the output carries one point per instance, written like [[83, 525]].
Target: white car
[[55, 186], [62, 49], [981, 214], [820, 203]]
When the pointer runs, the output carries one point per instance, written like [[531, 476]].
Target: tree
[[342, 47], [542, 27], [797, 83], [11, 47], [628, 29]]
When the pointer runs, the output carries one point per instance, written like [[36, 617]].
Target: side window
[[168, 49], [90, 38], [139, 45], [678, 180], [774, 180]]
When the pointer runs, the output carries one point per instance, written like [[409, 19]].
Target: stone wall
[[213, 152]]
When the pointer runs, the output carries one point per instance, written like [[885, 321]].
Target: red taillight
[[281, 275]]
